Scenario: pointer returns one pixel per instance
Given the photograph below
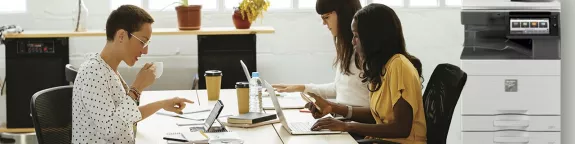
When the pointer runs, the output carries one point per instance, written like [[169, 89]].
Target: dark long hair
[[381, 37], [345, 10]]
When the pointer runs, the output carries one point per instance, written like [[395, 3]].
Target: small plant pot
[[189, 17], [239, 22]]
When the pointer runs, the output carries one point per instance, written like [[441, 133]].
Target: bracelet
[[137, 97], [349, 112], [136, 93]]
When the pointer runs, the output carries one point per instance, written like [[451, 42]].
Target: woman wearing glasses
[[105, 109]]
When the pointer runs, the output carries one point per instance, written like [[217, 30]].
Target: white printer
[[512, 55]]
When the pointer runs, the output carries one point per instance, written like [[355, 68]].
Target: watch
[[349, 112]]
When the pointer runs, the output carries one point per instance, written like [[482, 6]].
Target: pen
[[177, 116], [202, 132], [199, 111]]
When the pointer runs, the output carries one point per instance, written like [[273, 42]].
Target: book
[[251, 125], [251, 118]]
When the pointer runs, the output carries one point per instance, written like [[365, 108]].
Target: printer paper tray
[[511, 122], [511, 137], [511, 67], [523, 95]]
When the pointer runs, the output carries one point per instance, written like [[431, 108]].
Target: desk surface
[[152, 129], [156, 31]]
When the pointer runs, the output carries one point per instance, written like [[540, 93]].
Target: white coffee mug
[[159, 68]]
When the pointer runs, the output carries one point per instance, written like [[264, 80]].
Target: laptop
[[289, 101], [246, 71], [294, 128], [208, 124]]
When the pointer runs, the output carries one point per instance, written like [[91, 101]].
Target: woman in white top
[[347, 87], [105, 109]]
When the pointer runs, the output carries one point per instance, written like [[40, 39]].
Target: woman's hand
[[329, 123], [323, 104], [145, 77], [176, 104], [289, 88]]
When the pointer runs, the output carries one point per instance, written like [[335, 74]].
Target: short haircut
[[127, 17]]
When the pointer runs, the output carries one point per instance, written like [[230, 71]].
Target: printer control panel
[[529, 25]]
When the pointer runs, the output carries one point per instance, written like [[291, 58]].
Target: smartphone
[[176, 136], [308, 98]]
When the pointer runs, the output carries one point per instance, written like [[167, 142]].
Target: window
[[114, 4], [169, 5], [12, 5], [307, 4], [310, 4], [453, 2], [230, 4], [280, 4], [419, 3], [390, 3], [274, 4]]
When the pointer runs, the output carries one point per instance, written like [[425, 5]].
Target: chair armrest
[[376, 141]]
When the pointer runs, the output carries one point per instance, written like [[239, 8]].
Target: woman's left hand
[[329, 123], [176, 104]]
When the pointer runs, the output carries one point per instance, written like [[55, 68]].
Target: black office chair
[[52, 115], [70, 73], [440, 98]]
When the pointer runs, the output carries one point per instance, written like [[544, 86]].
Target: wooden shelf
[[156, 31], [3, 129]]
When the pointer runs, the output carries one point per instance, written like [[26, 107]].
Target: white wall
[[301, 50]]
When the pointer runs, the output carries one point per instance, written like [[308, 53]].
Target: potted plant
[[189, 16], [248, 11]]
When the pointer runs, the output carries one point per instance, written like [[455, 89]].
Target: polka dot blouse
[[102, 110]]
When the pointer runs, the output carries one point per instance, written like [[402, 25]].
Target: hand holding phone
[[309, 99], [320, 108]]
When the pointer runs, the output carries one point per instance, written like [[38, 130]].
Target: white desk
[[152, 129]]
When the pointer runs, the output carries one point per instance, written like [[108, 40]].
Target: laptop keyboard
[[195, 129], [301, 126]]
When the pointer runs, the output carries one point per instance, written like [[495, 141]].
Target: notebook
[[251, 118], [203, 138]]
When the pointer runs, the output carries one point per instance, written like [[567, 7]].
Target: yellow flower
[[251, 9]]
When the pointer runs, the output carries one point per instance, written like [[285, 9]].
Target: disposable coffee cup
[[243, 93], [213, 84]]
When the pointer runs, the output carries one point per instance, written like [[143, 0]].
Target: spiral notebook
[[204, 138]]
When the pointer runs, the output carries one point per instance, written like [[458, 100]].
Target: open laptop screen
[[246, 71], [276, 104]]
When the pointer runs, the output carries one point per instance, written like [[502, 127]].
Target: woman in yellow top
[[394, 77]]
